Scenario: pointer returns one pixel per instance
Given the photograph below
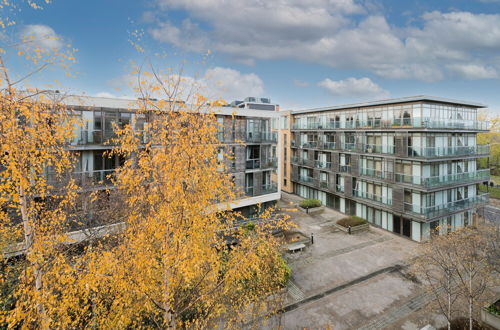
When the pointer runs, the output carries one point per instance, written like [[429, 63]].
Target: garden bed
[[357, 224], [311, 206]]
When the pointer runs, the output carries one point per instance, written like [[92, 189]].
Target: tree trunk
[[28, 244], [449, 302]]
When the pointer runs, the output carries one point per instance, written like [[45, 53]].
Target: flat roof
[[408, 99], [130, 104]]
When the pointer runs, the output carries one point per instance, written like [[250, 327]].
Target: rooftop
[[409, 99]]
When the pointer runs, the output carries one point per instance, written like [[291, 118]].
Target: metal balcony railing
[[438, 210], [435, 181], [380, 199], [396, 123], [448, 151]]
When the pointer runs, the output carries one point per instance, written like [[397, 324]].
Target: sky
[[301, 54]]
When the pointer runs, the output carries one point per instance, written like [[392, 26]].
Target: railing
[[373, 197], [437, 210], [434, 181], [396, 123], [323, 184], [252, 164], [305, 178], [345, 168], [328, 145], [340, 188], [269, 188], [376, 173], [348, 146], [269, 163], [448, 151], [322, 164], [261, 137], [90, 137], [302, 161], [378, 148], [98, 177]]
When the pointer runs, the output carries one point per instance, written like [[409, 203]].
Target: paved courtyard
[[348, 281]]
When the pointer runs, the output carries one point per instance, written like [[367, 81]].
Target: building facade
[[406, 165], [246, 133]]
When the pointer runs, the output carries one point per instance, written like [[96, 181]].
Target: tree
[[34, 130], [458, 269], [173, 266], [436, 267]]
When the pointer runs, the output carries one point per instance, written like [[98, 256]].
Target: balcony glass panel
[[448, 151], [444, 179], [437, 210], [373, 197]]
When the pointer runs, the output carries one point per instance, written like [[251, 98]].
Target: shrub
[[310, 203], [351, 221]]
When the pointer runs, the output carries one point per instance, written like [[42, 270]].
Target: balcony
[[302, 161], [261, 137], [269, 163], [428, 152], [378, 148], [252, 164], [322, 165], [305, 178], [339, 188], [348, 146], [373, 197], [436, 181], [328, 145], [345, 168], [93, 137], [376, 173], [82, 179], [397, 123], [439, 210]]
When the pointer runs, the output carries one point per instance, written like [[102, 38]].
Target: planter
[[354, 229], [312, 210], [490, 319]]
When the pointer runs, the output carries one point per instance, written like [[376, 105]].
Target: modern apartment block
[[246, 133], [407, 165]]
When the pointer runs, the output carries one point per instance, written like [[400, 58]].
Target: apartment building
[[246, 133], [407, 165]]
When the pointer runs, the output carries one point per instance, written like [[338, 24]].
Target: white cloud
[[339, 33], [217, 82], [474, 71], [113, 96], [353, 87], [40, 36]]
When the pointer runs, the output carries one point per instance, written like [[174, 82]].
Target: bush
[[351, 221], [310, 203]]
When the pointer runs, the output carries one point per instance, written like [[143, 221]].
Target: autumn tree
[[34, 130]]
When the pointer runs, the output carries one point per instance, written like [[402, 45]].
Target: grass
[[310, 203], [351, 221], [494, 191], [495, 178]]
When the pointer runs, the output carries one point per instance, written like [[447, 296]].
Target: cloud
[[342, 34], [40, 36], [352, 87], [113, 96], [214, 83], [474, 71]]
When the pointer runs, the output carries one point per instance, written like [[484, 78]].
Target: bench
[[296, 247]]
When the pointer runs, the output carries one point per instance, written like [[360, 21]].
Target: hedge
[[310, 203], [351, 221]]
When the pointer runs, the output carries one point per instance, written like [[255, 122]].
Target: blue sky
[[300, 53]]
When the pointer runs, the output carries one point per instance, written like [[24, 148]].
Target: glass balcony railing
[[324, 184], [436, 181], [269, 188], [261, 137], [375, 173], [252, 164], [322, 164], [348, 146], [92, 137], [302, 161], [98, 177], [448, 151], [340, 188], [345, 168], [438, 210], [305, 178], [378, 148], [397, 123], [373, 197], [328, 145]]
